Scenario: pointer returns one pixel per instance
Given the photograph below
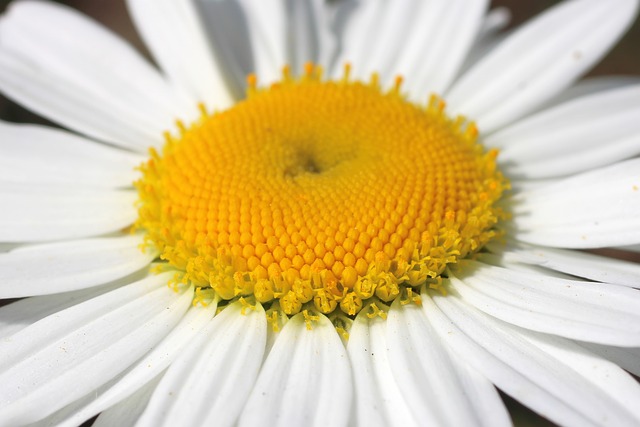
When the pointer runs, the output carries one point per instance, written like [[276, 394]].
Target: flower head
[[318, 213]]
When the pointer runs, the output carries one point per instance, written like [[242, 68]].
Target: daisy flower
[[357, 212]]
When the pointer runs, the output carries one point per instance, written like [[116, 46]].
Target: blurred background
[[624, 59]]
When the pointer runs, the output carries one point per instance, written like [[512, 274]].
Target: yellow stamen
[[321, 193]]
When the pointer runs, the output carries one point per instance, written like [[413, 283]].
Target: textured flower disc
[[329, 193]]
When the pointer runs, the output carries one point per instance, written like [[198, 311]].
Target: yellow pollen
[[320, 195]]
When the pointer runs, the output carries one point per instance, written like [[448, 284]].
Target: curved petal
[[539, 60], [397, 24], [576, 263], [267, 25], [378, 400], [124, 408], [84, 78], [435, 37], [594, 312], [600, 208], [504, 262], [306, 380], [425, 373], [626, 358], [590, 86], [61, 267], [63, 159], [583, 134], [32, 214], [434, 54], [608, 377], [128, 411], [65, 356], [309, 35], [489, 36], [172, 31], [496, 20], [357, 37], [482, 394], [27, 311], [521, 369], [277, 319], [145, 371], [222, 363], [227, 30]]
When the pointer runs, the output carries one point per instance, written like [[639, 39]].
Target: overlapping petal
[[67, 355], [598, 208], [84, 83], [306, 379], [61, 267], [173, 32], [34, 214], [583, 134], [63, 159], [92, 341], [580, 310], [221, 363], [521, 369], [528, 69]]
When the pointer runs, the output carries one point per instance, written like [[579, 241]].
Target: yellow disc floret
[[328, 193]]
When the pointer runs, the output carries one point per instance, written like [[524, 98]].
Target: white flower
[[97, 333]]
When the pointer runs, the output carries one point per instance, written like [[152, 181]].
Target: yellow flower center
[[323, 193]]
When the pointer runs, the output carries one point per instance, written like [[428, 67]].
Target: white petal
[[378, 400], [576, 263], [6, 247], [127, 412], [267, 25], [70, 77], [398, 21], [590, 86], [427, 377], [227, 31], [306, 380], [580, 135], [434, 55], [173, 32], [124, 408], [31, 214], [519, 368], [539, 60], [482, 394], [61, 267], [221, 364], [489, 36], [147, 369], [594, 312], [65, 356], [435, 36], [609, 378], [309, 35], [69, 105], [22, 313], [496, 20], [274, 330], [358, 36], [62, 159], [595, 209], [626, 358], [503, 261]]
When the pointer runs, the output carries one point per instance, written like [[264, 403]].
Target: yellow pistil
[[329, 193]]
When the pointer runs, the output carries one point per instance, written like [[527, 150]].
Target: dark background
[[624, 59]]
